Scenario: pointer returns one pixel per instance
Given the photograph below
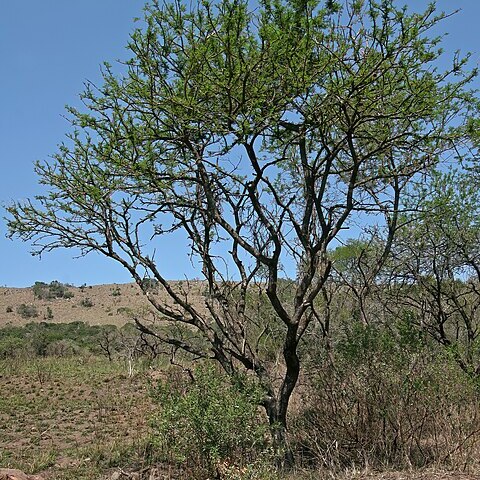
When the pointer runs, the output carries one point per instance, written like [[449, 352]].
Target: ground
[[85, 418], [70, 418]]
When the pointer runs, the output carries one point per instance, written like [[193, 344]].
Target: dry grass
[[67, 416], [112, 304], [391, 475]]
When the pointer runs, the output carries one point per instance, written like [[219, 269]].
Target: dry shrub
[[385, 400]]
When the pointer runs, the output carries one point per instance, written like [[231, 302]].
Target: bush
[[55, 289], [12, 347], [59, 339], [388, 398], [116, 292], [209, 422], [86, 302], [62, 348], [150, 285], [27, 311]]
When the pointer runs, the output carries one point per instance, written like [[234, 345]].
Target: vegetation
[[389, 398], [116, 292], [86, 302], [44, 339], [198, 422], [304, 150], [50, 291], [382, 397], [76, 417], [27, 311]]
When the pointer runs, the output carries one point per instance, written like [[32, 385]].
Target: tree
[[263, 135], [356, 267], [436, 266]]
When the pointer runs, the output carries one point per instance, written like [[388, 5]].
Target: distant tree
[[436, 265], [356, 266], [108, 340], [50, 291], [263, 135]]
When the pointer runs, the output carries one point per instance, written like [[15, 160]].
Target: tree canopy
[[267, 135]]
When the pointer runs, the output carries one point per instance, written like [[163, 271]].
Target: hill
[[96, 304], [113, 304]]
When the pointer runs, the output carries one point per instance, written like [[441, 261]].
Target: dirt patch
[[9, 474]]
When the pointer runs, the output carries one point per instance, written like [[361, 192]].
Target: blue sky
[[48, 49]]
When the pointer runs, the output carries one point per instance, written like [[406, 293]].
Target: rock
[[11, 474]]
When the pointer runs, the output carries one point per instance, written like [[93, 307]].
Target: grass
[[71, 417], [81, 418]]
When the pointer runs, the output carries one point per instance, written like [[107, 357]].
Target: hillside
[[96, 305], [113, 304]]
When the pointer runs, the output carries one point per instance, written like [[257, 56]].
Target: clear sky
[[48, 49]]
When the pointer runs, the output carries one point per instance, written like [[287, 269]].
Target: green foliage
[[150, 285], [44, 339], [116, 292], [210, 420], [11, 346], [27, 311], [86, 302], [55, 289], [49, 314], [361, 343]]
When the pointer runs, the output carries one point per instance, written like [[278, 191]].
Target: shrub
[[43, 339], [125, 311], [12, 347], [9, 309], [388, 398], [27, 311], [209, 421], [50, 291], [62, 348], [86, 302], [39, 290], [116, 292], [150, 285], [39, 342]]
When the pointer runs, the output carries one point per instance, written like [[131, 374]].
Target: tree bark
[[284, 458]]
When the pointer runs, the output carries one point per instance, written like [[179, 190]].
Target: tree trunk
[[277, 405], [278, 429]]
